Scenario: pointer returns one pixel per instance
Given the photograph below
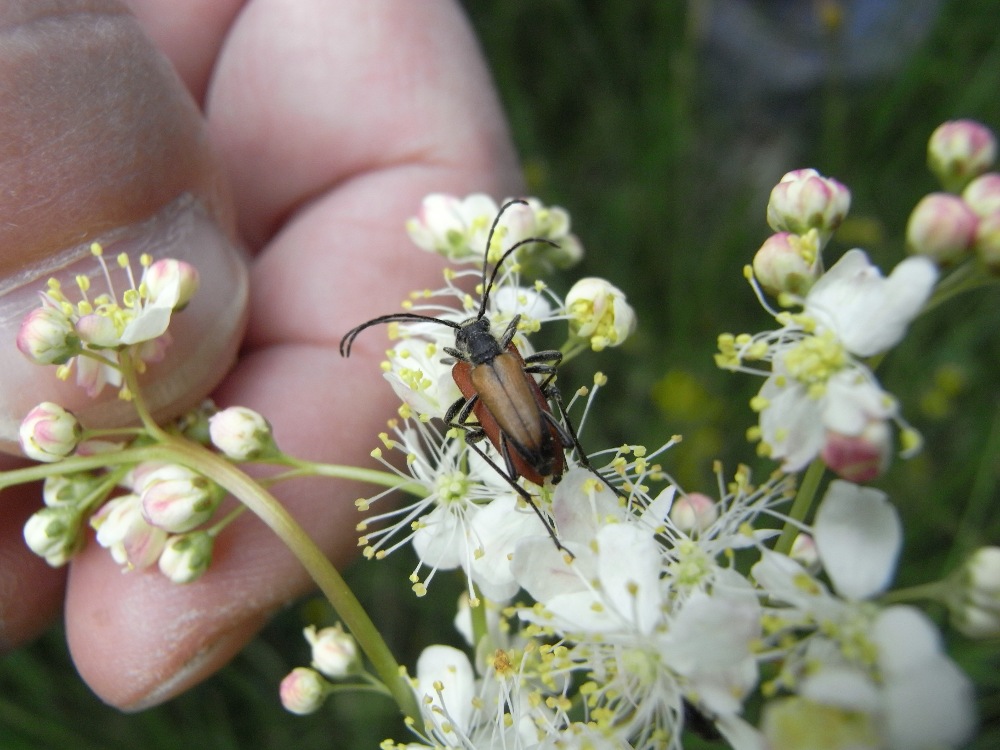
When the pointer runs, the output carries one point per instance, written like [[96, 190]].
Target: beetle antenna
[[348, 340], [486, 256]]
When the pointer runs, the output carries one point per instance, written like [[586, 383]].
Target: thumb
[[100, 142]]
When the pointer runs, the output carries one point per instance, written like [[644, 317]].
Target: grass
[[665, 167]]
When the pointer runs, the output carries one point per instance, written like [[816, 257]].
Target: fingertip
[[137, 639]]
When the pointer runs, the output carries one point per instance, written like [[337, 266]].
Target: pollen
[[815, 359]]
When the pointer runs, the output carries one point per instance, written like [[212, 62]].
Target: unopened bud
[[941, 227], [241, 433], [804, 551], [303, 691], [69, 490], [694, 512], [334, 652], [960, 150], [49, 432], [55, 534], [804, 199], [787, 263], [176, 499], [976, 609], [987, 245], [982, 195], [47, 337], [859, 458], [599, 312], [185, 558], [171, 282]]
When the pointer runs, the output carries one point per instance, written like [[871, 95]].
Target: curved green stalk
[[800, 506]]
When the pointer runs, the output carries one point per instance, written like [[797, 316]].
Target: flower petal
[[870, 313], [858, 536]]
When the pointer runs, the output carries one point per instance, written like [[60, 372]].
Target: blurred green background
[[661, 127]]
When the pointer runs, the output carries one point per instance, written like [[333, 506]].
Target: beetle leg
[[505, 452], [526, 496], [458, 413], [567, 434], [509, 332], [553, 356]]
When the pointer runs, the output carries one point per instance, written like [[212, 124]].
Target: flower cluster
[[672, 635], [145, 512], [964, 221], [146, 509], [90, 334], [605, 606], [820, 396]]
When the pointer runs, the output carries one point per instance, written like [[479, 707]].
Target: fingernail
[[205, 334]]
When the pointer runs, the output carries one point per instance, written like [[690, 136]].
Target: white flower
[[887, 665], [124, 532], [104, 325], [599, 313], [817, 384], [456, 227]]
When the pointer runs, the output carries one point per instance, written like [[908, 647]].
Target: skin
[[308, 132]]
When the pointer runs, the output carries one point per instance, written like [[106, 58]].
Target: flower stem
[[801, 505], [266, 507]]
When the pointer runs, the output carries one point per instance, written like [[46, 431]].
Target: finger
[[189, 33], [326, 190], [30, 591], [99, 141]]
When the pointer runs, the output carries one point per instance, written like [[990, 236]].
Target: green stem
[[934, 591], [353, 473], [176, 449], [800, 506], [266, 507], [963, 279]]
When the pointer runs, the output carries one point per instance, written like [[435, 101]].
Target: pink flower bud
[[787, 262], [185, 558], [804, 200], [987, 243], [241, 433], [303, 691], [859, 458], [982, 195], [47, 337], [171, 282], [334, 652], [177, 499], [49, 432], [959, 151], [941, 227], [694, 512]]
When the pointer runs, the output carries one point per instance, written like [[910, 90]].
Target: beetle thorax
[[476, 342]]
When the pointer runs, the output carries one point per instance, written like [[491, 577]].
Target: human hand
[[324, 125]]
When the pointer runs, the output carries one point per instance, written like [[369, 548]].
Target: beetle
[[498, 386]]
